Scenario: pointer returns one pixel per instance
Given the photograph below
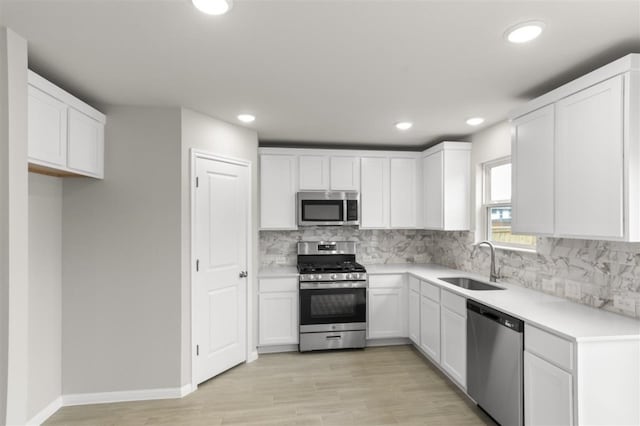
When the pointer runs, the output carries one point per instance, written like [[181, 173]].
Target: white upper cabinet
[[47, 127], [590, 163], [446, 171], [278, 175], [86, 144], [345, 173], [576, 157], [313, 172], [65, 135], [374, 192], [532, 175], [403, 193], [433, 190]]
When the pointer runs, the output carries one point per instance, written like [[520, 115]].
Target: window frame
[[488, 204]]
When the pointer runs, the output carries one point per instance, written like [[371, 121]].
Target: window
[[497, 206]]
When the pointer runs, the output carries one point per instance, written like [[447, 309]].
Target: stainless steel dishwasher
[[494, 363]]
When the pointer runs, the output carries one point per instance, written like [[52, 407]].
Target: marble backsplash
[[601, 274], [374, 246]]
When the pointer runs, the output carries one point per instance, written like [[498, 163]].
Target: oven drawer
[[332, 340]]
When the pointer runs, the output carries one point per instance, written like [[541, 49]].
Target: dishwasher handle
[[494, 315]]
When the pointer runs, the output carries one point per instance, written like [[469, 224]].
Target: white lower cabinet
[[278, 311], [453, 325], [430, 327], [414, 310], [387, 307], [548, 393]]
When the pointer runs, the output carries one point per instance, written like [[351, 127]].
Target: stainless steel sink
[[470, 284]]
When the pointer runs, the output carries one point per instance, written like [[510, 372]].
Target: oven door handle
[[332, 285]]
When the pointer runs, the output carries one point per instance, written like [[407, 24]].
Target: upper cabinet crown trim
[[627, 63], [447, 146], [339, 152], [62, 95]]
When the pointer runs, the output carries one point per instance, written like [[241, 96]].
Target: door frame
[[200, 154]]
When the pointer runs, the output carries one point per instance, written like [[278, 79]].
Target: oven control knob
[[356, 276], [334, 276], [349, 276]]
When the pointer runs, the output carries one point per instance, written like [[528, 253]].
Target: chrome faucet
[[493, 276]]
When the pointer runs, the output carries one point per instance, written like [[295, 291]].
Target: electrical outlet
[[572, 290], [549, 286], [625, 304]]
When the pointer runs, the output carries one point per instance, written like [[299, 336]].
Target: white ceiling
[[323, 71]]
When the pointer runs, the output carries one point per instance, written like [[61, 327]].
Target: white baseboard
[[253, 355], [277, 349], [46, 412], [391, 341], [187, 389], [124, 396]]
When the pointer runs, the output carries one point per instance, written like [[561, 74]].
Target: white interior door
[[220, 245]]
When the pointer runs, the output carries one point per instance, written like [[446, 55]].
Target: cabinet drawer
[[455, 303], [548, 346], [414, 284], [431, 291], [386, 281], [269, 285]]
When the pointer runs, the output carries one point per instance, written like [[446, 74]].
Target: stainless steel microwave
[[327, 208]]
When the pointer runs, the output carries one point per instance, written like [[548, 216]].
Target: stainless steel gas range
[[333, 296]]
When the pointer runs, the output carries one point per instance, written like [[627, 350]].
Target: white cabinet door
[[47, 128], [433, 190], [430, 327], [454, 345], [532, 156], [278, 317], [446, 186], [548, 393], [403, 193], [589, 162], [277, 191], [345, 173], [314, 172], [86, 144], [457, 189], [414, 316], [387, 312], [374, 192]]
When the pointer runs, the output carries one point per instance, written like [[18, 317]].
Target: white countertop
[[285, 271], [554, 314], [557, 315]]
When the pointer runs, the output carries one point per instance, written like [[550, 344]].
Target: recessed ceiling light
[[404, 125], [475, 121], [247, 118], [213, 7], [524, 32]]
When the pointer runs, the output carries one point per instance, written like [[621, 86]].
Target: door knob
[[243, 274]]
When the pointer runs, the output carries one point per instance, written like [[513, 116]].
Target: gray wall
[[121, 260], [217, 137], [13, 229], [45, 291]]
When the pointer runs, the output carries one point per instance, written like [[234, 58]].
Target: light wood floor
[[375, 386]]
